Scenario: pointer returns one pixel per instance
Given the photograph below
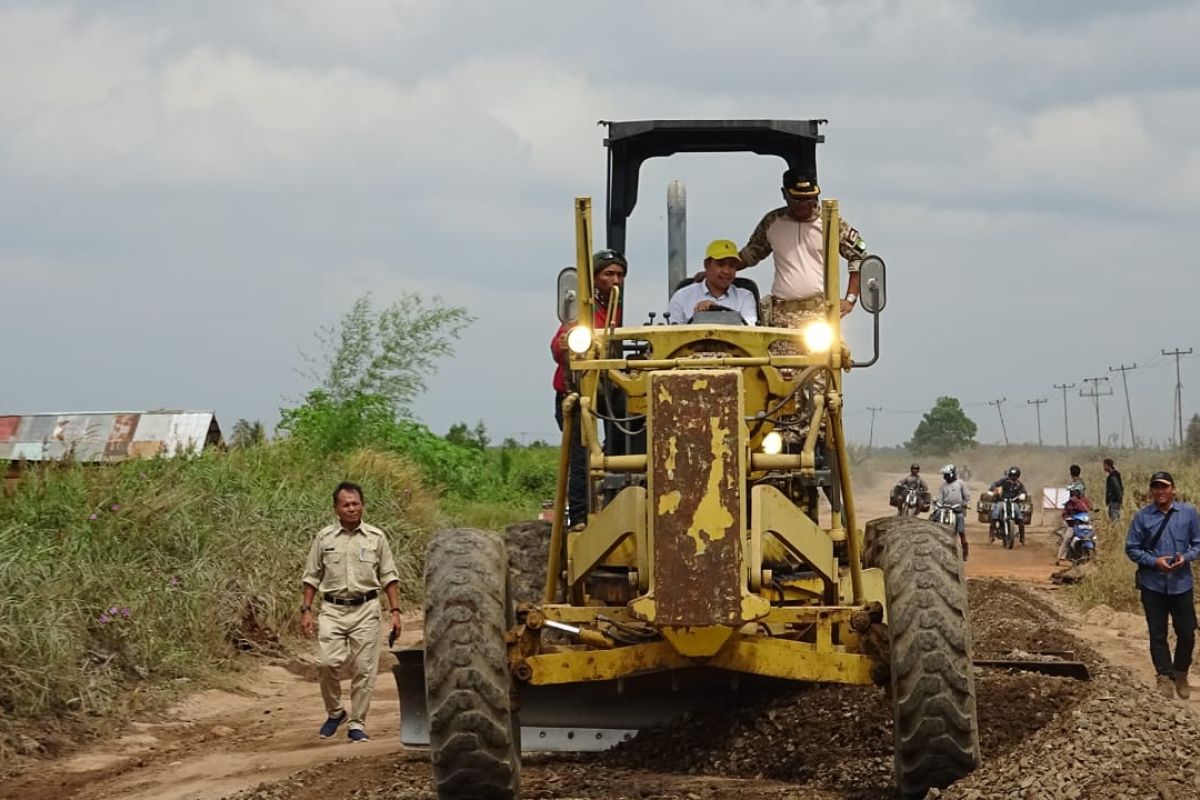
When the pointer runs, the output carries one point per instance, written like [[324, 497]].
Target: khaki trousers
[[348, 645]]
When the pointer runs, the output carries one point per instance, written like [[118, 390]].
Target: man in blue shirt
[[1164, 540], [721, 263]]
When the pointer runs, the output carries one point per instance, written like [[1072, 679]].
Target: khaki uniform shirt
[[799, 251], [350, 563]]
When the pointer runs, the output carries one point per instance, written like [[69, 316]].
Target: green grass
[[116, 580]]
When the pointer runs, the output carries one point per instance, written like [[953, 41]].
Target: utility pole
[[998, 404], [1066, 423], [1128, 409], [1178, 389], [1037, 406], [871, 439], [1096, 394]]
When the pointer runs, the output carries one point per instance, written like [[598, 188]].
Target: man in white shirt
[[721, 263]]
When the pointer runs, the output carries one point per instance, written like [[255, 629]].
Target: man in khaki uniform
[[349, 563]]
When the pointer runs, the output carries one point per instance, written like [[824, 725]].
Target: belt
[[807, 304], [351, 601]]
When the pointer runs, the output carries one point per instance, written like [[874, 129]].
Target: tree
[[1191, 439], [387, 353], [943, 429], [247, 434], [463, 436]]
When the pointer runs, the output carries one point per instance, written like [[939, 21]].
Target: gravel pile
[[1041, 737]]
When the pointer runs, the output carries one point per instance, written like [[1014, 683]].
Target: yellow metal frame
[[798, 628]]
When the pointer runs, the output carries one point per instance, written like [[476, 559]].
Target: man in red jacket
[[608, 270]]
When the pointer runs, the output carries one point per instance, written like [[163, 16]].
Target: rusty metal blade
[[589, 717]]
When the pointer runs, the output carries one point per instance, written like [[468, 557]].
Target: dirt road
[[261, 742]]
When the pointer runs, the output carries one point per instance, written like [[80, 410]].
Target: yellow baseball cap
[[722, 248]]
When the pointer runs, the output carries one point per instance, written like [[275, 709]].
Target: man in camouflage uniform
[[794, 236]]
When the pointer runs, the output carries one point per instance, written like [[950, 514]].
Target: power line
[[1096, 394], [1066, 421], [1037, 406], [1178, 389], [998, 404], [1128, 409], [871, 439]]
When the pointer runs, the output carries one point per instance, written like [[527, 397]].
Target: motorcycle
[[944, 513], [909, 502], [1008, 526], [1082, 544]]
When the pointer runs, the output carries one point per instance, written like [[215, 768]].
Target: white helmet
[[949, 472]]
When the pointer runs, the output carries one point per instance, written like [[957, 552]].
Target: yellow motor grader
[[721, 559]]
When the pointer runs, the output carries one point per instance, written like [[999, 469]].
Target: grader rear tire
[[474, 735], [932, 681]]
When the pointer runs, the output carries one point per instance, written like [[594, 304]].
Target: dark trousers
[[1179, 608], [577, 473], [1114, 511]]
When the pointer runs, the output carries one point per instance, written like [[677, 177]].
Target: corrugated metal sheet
[[91, 437], [122, 434]]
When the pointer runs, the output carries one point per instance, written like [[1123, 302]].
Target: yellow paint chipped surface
[[712, 517], [664, 395], [699, 383], [669, 503], [672, 452]]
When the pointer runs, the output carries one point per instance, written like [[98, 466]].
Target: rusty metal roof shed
[[106, 436]]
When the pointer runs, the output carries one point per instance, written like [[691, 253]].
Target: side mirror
[[568, 295], [872, 284]]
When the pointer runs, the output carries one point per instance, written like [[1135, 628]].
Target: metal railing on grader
[[710, 571]]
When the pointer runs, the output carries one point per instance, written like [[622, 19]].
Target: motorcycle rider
[[953, 492], [912, 480], [1075, 504], [1008, 488]]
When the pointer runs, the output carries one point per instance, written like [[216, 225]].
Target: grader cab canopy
[[721, 560]]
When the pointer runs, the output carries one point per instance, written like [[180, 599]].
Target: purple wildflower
[[173, 582], [115, 507], [125, 612], [113, 611], [92, 517], [104, 619]]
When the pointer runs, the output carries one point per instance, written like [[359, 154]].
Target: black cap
[[800, 183], [1162, 476], [602, 258]]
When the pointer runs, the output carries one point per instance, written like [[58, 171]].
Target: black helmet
[[1013, 472], [949, 472], [917, 467]]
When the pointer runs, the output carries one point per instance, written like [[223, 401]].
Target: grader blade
[[589, 717]]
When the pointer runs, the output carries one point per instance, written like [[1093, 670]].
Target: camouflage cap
[[602, 258]]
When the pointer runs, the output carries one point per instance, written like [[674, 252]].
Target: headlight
[[772, 443], [579, 339], [818, 337]]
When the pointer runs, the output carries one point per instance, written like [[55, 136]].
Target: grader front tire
[[933, 685], [473, 733]]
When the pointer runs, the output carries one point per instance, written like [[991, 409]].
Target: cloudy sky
[[189, 190]]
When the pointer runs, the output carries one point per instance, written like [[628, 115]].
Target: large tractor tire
[[528, 548], [932, 679], [474, 736]]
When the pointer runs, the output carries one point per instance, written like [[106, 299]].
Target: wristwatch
[[851, 298], [303, 609]]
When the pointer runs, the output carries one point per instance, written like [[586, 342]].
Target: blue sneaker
[[358, 735], [331, 725]]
